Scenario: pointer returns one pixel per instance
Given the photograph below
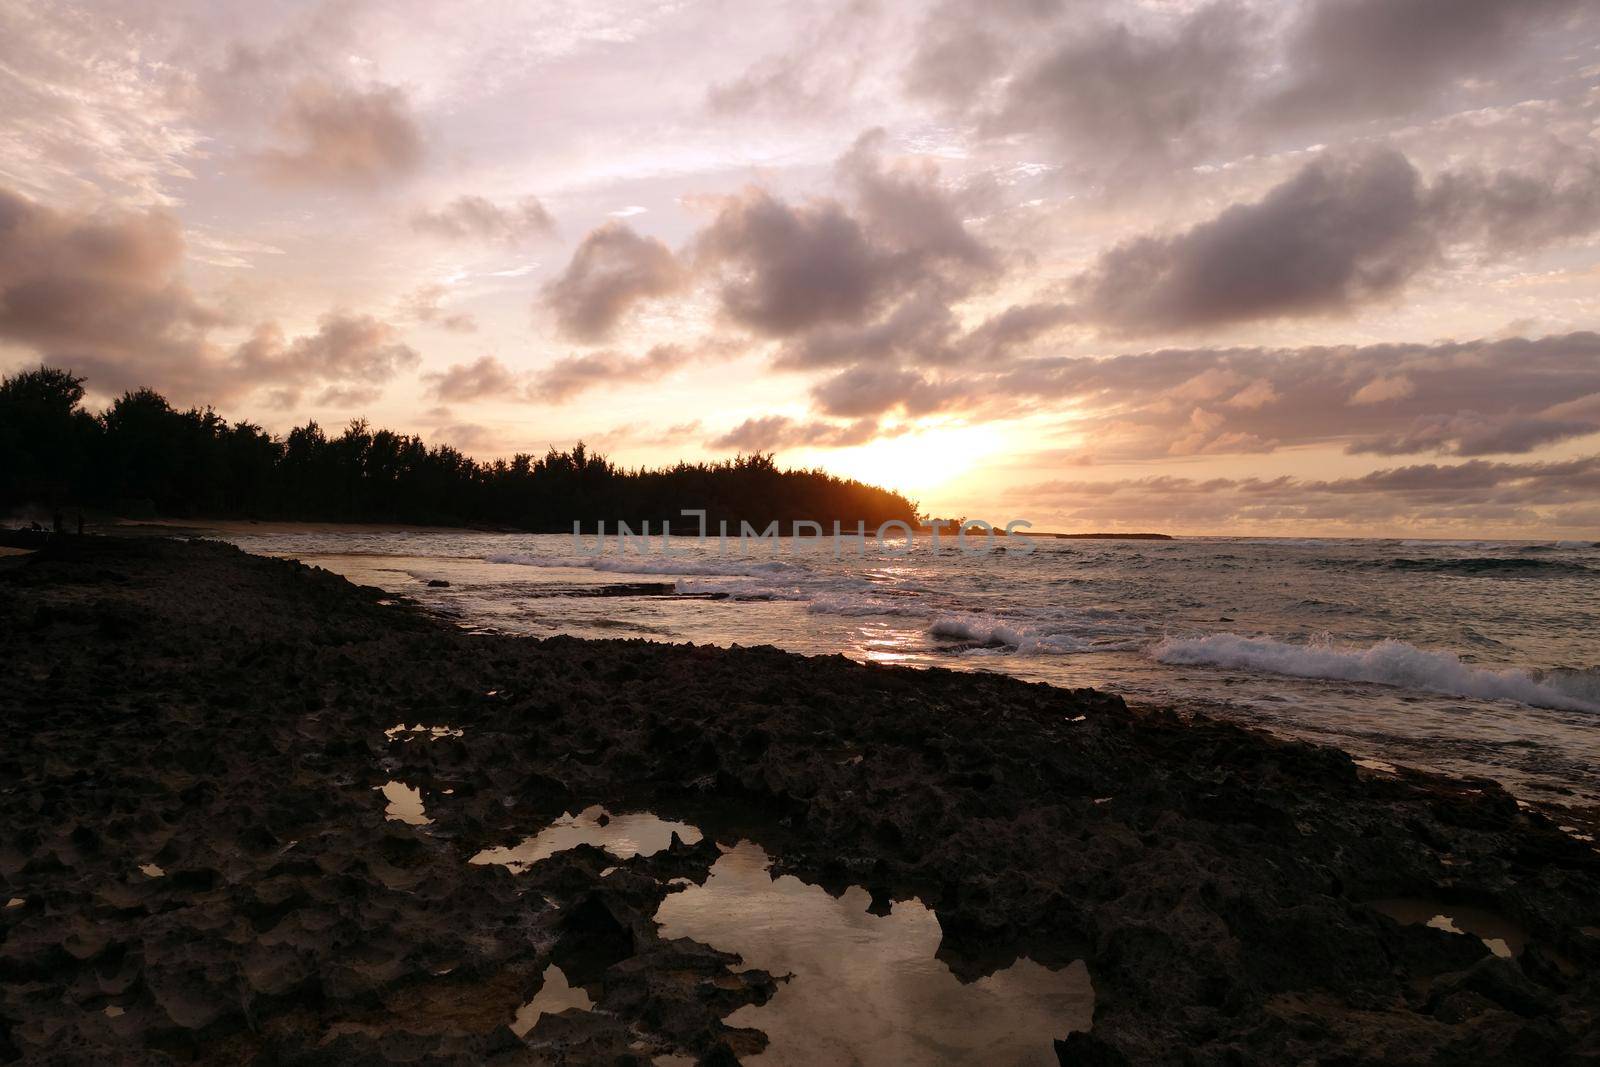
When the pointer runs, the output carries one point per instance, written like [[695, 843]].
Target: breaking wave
[[1385, 663], [977, 632]]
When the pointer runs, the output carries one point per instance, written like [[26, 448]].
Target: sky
[[1281, 268]]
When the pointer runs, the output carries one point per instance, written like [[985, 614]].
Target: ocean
[[1476, 658]]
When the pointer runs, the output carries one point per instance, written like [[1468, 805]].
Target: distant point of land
[[1106, 536]]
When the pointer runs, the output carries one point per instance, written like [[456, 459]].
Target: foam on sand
[[1386, 663]]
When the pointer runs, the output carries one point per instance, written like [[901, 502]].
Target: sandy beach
[[213, 850]]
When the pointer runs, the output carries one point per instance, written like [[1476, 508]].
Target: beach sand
[[196, 860]]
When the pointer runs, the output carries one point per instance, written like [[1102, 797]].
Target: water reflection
[[624, 836], [867, 989], [1499, 935], [405, 804], [553, 998]]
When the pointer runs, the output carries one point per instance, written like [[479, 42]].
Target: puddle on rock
[[1499, 935], [405, 804], [554, 997], [401, 732], [624, 836], [867, 989]]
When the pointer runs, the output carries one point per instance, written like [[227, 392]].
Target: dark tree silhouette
[[141, 456]]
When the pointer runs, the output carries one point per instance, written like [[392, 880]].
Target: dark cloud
[[483, 378], [1346, 230], [351, 355], [568, 377], [774, 432], [792, 267], [1510, 395], [1509, 211], [612, 269], [341, 135], [1358, 58], [1128, 94], [962, 47], [1472, 496], [1503, 396], [474, 218], [1472, 433], [922, 327], [1341, 232], [785, 269], [103, 294], [866, 390], [1125, 96]]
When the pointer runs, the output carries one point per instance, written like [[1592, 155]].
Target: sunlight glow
[[914, 462]]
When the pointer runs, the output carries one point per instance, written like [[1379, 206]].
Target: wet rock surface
[[186, 709]]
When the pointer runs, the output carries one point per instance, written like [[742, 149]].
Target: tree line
[[143, 457]]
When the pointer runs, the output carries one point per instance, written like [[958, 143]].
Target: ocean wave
[[1485, 565], [978, 632], [1386, 663], [1582, 685]]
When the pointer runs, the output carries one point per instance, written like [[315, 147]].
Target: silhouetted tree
[[142, 455]]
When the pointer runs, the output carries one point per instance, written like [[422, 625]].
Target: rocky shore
[[196, 863]]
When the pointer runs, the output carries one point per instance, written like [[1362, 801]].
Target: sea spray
[[1387, 662]]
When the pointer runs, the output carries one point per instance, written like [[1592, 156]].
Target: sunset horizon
[[1207, 268]]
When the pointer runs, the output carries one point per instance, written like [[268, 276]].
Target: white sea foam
[[1386, 662], [1025, 640]]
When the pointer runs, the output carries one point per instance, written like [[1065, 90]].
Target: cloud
[[568, 377], [773, 432], [1493, 396], [1509, 211], [422, 304], [349, 354], [1346, 230], [1341, 232], [1386, 387], [611, 270], [1131, 95], [784, 269], [1472, 433], [813, 75], [103, 294], [963, 47], [1129, 92], [341, 135], [1508, 395], [86, 112], [1472, 496], [869, 390], [474, 218], [485, 377], [1358, 58], [789, 268]]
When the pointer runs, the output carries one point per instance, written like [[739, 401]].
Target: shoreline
[[221, 716]]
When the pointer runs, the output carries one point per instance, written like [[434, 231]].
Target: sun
[[915, 462]]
